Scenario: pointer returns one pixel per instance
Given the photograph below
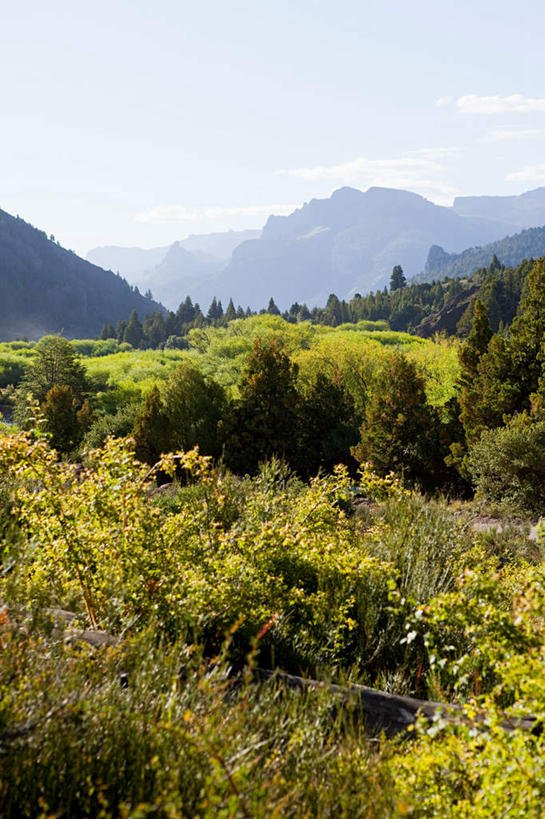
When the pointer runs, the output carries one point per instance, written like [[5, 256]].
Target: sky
[[128, 122]]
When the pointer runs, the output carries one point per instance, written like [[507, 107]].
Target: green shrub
[[507, 466]]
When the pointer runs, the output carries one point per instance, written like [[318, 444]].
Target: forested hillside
[[529, 244], [423, 308], [47, 289]]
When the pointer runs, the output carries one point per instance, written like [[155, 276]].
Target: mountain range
[[177, 269], [47, 289], [528, 244], [345, 244]]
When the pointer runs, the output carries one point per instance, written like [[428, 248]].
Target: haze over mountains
[[47, 289], [168, 270], [345, 244], [528, 244]]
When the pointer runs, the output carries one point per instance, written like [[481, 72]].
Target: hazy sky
[[132, 122]]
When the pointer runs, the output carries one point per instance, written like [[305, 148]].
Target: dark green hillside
[[529, 244], [47, 289]]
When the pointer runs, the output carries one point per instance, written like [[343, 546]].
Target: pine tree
[[528, 330], [185, 314], [333, 314], [327, 427], [476, 344], [400, 430], [213, 311], [151, 429], [154, 330], [120, 331], [272, 309], [133, 334], [60, 412], [230, 313], [107, 332], [397, 279], [264, 422]]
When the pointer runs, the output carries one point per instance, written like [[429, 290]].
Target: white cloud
[[366, 170], [420, 171], [530, 173], [513, 104], [442, 101], [182, 213], [435, 153], [508, 134]]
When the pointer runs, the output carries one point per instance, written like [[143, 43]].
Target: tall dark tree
[[107, 331], [397, 279], [508, 373], [185, 313], [230, 313], [264, 422], [184, 414], [272, 309], [400, 429], [214, 311], [120, 330], [327, 429], [154, 330], [66, 420], [133, 334]]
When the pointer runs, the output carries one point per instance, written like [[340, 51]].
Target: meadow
[[222, 352]]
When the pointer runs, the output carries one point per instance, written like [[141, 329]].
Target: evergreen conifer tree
[[397, 279], [133, 331], [272, 309], [230, 313]]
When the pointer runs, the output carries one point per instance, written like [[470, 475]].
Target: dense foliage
[[255, 501], [196, 588]]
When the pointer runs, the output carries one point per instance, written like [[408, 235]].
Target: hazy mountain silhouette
[[344, 244], [526, 210], [510, 251], [47, 289], [175, 270]]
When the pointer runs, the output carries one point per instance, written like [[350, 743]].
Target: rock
[[446, 319]]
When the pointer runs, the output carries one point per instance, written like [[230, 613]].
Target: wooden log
[[391, 714]]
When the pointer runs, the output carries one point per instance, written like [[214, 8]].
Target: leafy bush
[[508, 467], [162, 725]]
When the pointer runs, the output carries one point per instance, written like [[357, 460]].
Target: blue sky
[[136, 123]]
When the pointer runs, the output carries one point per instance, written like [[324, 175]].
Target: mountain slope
[[525, 210], [344, 244], [173, 271], [47, 289], [510, 251]]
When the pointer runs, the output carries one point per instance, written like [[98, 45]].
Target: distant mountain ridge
[[525, 210], [47, 289], [528, 244], [345, 244], [175, 270]]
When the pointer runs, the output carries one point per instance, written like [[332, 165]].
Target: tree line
[[403, 305]]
